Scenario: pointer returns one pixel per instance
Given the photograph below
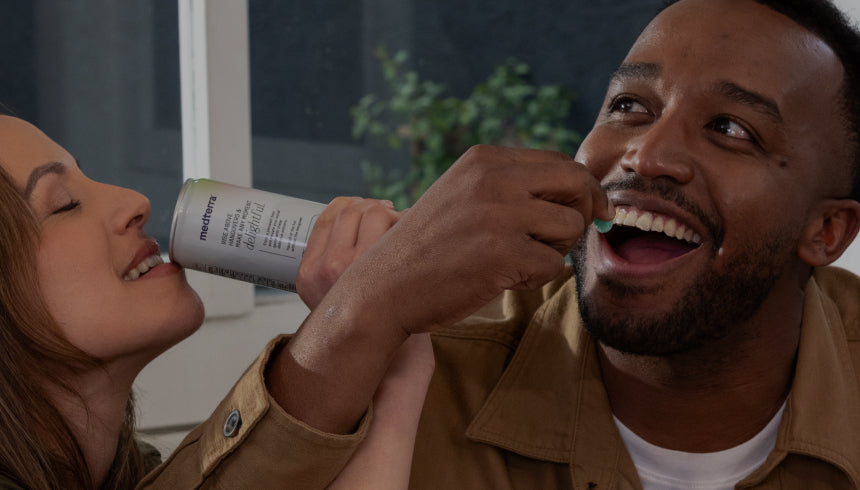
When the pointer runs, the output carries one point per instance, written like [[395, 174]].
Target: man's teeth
[[647, 221], [143, 267]]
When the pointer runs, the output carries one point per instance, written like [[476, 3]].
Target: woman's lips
[[161, 270], [148, 262]]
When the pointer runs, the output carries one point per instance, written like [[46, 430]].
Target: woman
[[85, 304]]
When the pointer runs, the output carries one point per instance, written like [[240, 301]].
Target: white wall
[[851, 259], [852, 7]]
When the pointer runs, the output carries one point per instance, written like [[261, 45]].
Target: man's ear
[[829, 231]]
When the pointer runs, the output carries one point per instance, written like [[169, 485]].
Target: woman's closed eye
[[71, 205]]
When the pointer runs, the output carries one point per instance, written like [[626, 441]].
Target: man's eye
[[68, 207], [732, 129], [627, 105]]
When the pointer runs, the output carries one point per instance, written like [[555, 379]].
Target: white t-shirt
[[665, 469]]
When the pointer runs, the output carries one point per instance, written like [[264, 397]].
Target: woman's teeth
[[647, 221], [143, 267]]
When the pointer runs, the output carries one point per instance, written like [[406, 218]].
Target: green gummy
[[602, 226]]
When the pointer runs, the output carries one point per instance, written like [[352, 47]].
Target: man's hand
[[499, 219]]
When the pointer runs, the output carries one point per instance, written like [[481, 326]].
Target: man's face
[[720, 133]]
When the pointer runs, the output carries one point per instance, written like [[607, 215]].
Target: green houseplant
[[506, 109]]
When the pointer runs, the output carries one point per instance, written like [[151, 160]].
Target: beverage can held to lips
[[242, 233]]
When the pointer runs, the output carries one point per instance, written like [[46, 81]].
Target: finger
[[347, 228], [538, 264], [312, 282], [357, 226], [322, 228], [559, 226], [603, 208], [521, 155], [569, 183], [375, 222]]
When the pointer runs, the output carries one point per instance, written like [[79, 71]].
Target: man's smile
[[646, 237]]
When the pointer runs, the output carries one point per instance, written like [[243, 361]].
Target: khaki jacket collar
[[822, 417], [550, 403]]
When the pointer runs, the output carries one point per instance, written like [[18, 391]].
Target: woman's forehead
[[23, 147]]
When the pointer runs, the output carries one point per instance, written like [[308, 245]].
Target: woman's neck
[[95, 414]]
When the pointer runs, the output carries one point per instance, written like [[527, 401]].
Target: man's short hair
[[829, 24]]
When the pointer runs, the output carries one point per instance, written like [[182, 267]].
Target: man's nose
[[663, 149]]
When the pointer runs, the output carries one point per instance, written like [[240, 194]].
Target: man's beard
[[709, 310]]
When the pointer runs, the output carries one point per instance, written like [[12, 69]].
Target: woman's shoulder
[[151, 456]]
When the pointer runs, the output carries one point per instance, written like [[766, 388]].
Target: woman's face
[[91, 244]]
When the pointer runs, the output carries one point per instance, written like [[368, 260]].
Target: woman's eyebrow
[[41, 171]]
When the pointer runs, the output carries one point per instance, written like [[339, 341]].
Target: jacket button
[[231, 426]]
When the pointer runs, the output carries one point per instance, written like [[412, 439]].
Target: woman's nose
[[662, 150], [131, 209]]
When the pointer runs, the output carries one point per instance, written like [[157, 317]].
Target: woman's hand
[[344, 231]]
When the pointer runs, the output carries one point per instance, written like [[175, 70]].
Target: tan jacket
[[249, 442], [517, 402]]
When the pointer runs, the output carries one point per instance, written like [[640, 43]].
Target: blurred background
[[309, 99]]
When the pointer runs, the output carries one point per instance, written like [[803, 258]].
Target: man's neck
[[713, 398]]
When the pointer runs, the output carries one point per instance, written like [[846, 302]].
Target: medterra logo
[[207, 215]]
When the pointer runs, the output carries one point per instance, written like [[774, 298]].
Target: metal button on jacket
[[232, 424]]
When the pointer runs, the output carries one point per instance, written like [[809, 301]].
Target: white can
[[241, 233]]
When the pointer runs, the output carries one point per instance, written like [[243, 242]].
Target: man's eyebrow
[[41, 171], [643, 71], [755, 100]]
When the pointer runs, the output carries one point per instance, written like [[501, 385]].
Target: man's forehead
[[734, 38], [744, 19]]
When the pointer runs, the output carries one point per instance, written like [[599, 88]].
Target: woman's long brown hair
[[37, 448]]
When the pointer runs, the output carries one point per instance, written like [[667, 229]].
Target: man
[[701, 343]]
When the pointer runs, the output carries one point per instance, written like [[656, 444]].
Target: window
[[311, 63], [101, 79]]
